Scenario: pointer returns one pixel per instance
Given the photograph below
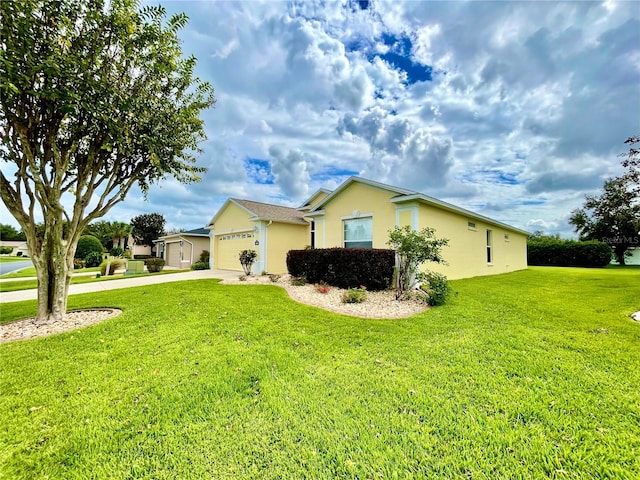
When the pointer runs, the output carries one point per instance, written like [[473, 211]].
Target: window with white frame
[[358, 233], [313, 234]]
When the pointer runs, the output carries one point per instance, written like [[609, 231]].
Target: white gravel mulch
[[27, 328], [377, 305]]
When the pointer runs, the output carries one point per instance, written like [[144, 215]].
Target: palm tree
[[120, 232]]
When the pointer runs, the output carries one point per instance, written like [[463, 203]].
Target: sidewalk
[[20, 295]]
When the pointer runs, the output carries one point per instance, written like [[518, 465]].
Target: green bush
[[88, 244], [355, 295], [436, 287], [94, 259], [154, 264], [298, 281], [550, 251], [115, 264], [200, 266], [116, 252], [274, 277], [344, 267], [204, 256], [78, 264], [5, 250], [19, 254]]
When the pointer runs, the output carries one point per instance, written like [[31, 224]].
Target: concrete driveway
[[20, 295]]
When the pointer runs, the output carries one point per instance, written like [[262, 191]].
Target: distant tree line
[[143, 228]]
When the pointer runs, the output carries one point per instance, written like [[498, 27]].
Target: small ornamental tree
[[413, 248], [247, 259], [95, 98]]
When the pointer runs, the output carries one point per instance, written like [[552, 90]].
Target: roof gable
[[264, 211], [405, 195], [371, 183], [312, 200]]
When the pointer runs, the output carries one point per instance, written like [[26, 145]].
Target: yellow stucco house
[[360, 213]]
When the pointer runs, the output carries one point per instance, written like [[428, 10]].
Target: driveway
[[18, 296], [8, 267]]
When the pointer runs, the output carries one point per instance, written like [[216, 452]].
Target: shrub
[[274, 277], [154, 264], [242, 278], [78, 264], [115, 264], [247, 259], [204, 256], [19, 254], [88, 244], [116, 251], [5, 250], [550, 251], [414, 248], [343, 267], [93, 259], [298, 281], [127, 254], [355, 295], [436, 287], [200, 266]]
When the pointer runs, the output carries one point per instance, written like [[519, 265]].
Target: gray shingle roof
[[197, 231], [276, 213]]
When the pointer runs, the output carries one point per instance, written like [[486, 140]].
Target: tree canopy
[[7, 232], [147, 228], [613, 217], [95, 97]]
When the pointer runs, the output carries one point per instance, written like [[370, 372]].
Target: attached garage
[[270, 230], [173, 257], [183, 249], [228, 248]]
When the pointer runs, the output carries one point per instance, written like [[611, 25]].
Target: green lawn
[[30, 284], [6, 259], [533, 374], [31, 272]]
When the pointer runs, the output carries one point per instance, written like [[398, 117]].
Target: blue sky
[[515, 110]]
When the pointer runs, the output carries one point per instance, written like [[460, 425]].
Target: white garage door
[[229, 247], [173, 254]]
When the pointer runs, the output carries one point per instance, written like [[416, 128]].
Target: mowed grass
[[31, 272], [533, 374], [9, 258], [15, 285]]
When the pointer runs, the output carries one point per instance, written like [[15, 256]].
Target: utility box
[[134, 267]]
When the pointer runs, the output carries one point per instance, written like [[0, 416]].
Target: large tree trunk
[[619, 251], [53, 261]]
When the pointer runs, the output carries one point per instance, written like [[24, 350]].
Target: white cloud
[[527, 107]]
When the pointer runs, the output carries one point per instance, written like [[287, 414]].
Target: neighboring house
[[360, 213], [135, 249], [19, 246], [182, 249]]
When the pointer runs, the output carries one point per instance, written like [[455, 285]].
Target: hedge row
[[344, 267], [568, 253]]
